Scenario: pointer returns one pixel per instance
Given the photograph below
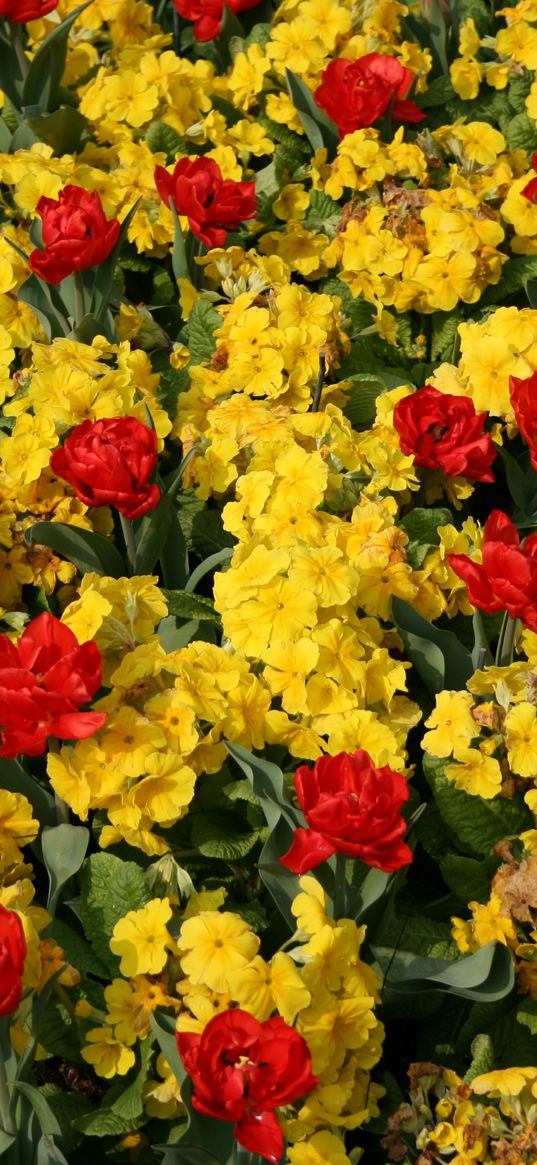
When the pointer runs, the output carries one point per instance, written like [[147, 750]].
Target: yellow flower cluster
[[320, 983]]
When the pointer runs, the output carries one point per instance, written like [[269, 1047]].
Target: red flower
[[212, 204], [242, 1070], [507, 580], [524, 402], [109, 463], [356, 93], [21, 11], [44, 680], [12, 956], [207, 14], [352, 808], [442, 431], [76, 234]]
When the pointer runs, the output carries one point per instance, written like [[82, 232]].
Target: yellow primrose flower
[[141, 938], [323, 1148], [451, 723], [107, 1056], [213, 945], [475, 772], [520, 728], [262, 988]]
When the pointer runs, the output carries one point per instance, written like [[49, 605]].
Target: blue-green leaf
[[88, 551], [64, 849]]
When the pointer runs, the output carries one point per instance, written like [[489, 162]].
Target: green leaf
[[423, 524], [515, 273], [67, 1107], [10, 72], [104, 1122], [150, 534], [78, 952], [6, 1141], [179, 260], [164, 139], [59, 1032], [128, 1103], [41, 1109], [225, 836], [439, 657], [468, 878], [319, 129], [208, 534], [323, 213], [438, 92], [15, 779], [362, 391], [163, 1027], [526, 1013], [110, 888], [103, 281], [63, 129], [64, 849], [522, 482], [46, 69], [202, 324], [185, 605], [486, 975], [174, 556], [477, 825], [482, 1057], [46, 304], [521, 132], [88, 551], [48, 1153]]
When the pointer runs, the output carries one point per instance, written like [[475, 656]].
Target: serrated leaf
[[78, 952], [185, 605], [477, 825], [482, 1057], [163, 139], [202, 323], [110, 888], [521, 132], [362, 391], [223, 835], [423, 524], [88, 551]]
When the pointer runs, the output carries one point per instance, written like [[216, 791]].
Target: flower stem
[[506, 641], [20, 54], [80, 299], [6, 1120], [130, 544], [340, 887], [319, 386]]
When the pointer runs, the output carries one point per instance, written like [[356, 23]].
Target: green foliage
[[88, 551], [110, 888], [477, 825], [438, 656], [201, 327]]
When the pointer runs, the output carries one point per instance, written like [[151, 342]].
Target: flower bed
[[268, 582]]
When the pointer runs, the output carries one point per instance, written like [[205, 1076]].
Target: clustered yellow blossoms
[[319, 982], [489, 1118]]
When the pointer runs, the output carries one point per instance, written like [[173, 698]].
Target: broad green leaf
[[63, 129], [88, 551], [362, 391], [202, 324], [174, 556], [423, 523], [482, 1057], [179, 260], [48, 1153], [47, 66], [42, 1111], [6, 1141], [206, 567], [103, 282], [150, 534], [185, 605], [222, 835], [438, 656], [468, 878], [15, 779], [164, 139], [46, 304], [522, 482], [488, 974], [64, 849], [319, 129], [10, 72], [110, 888], [527, 1014], [477, 825], [77, 950]]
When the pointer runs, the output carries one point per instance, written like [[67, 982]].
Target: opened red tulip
[[507, 578], [109, 463], [242, 1070], [524, 402], [352, 808], [21, 11], [208, 14], [12, 956], [355, 94], [442, 431], [212, 204], [76, 234], [44, 681]]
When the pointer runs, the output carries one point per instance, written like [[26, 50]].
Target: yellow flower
[[17, 827], [521, 738], [451, 722], [141, 938], [475, 772], [106, 1054], [213, 945], [323, 1148], [262, 988]]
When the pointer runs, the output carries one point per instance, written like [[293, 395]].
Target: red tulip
[[442, 431], [207, 14], [76, 234], [355, 94], [21, 11], [212, 204], [524, 402], [44, 680], [507, 580], [109, 463], [12, 956], [352, 808], [242, 1070]]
